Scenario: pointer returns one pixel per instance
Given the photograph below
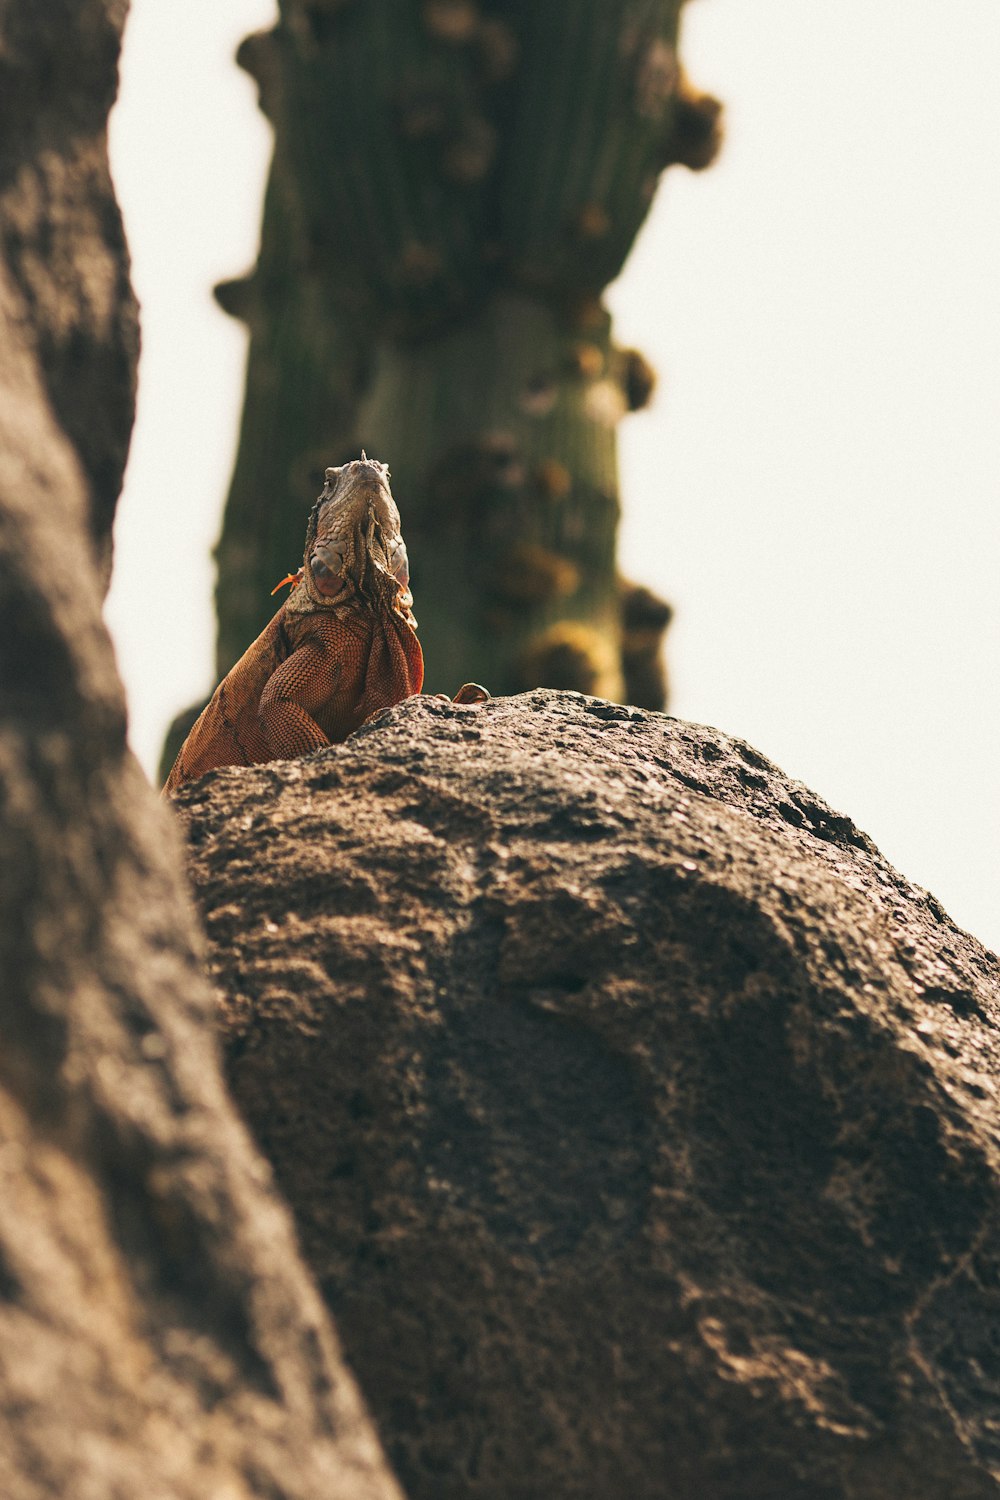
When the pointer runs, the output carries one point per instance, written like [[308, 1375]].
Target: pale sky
[[817, 486]]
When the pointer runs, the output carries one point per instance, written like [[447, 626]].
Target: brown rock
[[639, 1119], [159, 1337], [61, 236]]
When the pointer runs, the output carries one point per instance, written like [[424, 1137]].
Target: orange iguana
[[342, 646]]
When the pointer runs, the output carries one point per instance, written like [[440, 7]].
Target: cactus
[[453, 186]]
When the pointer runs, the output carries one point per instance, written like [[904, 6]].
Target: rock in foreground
[[159, 1337], [639, 1120]]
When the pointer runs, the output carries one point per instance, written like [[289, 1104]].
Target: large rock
[[160, 1338], [639, 1119]]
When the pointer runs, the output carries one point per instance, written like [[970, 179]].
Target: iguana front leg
[[289, 730], [302, 686]]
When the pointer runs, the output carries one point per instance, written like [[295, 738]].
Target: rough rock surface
[[159, 1336], [639, 1119], [61, 238]]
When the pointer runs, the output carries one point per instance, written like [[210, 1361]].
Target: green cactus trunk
[[453, 186]]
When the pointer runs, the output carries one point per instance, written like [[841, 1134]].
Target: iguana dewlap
[[341, 647]]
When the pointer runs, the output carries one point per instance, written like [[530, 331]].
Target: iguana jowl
[[342, 646]]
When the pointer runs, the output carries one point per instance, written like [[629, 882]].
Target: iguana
[[341, 647]]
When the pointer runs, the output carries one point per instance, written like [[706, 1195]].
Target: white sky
[[816, 488]]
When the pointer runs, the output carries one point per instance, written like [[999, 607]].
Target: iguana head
[[354, 547]]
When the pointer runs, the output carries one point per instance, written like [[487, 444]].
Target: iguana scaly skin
[[342, 646]]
